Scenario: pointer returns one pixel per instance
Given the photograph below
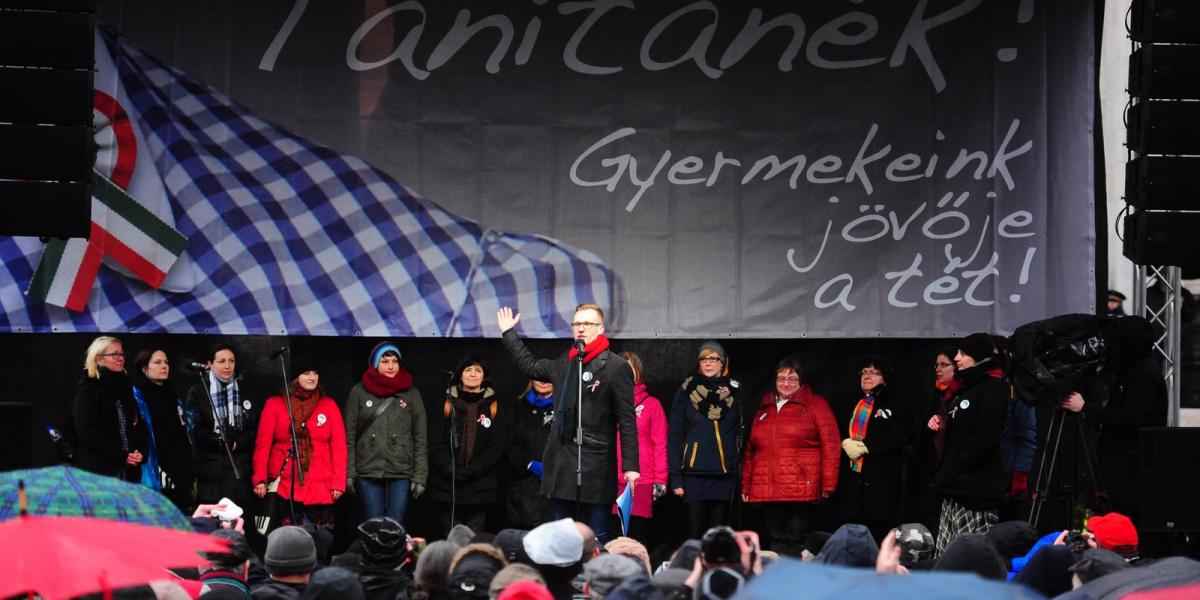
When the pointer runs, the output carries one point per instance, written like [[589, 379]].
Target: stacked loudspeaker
[[47, 57], [1162, 179]]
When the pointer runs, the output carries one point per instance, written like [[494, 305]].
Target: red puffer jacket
[[792, 455]]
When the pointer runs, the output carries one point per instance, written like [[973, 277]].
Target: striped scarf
[[227, 402], [858, 426]]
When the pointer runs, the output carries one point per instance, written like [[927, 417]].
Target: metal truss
[[1166, 320]]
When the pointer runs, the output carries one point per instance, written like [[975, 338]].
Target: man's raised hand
[[507, 319]]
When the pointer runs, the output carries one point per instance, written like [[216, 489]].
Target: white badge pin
[[320, 419], [246, 404], [587, 375], [964, 404], [762, 416], [486, 422], [370, 403], [638, 409]]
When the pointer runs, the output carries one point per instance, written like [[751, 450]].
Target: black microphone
[[276, 354], [198, 366], [449, 376], [579, 346]]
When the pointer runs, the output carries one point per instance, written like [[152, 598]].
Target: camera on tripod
[[1051, 358]]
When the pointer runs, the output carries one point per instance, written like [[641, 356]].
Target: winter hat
[[1098, 562], [303, 363], [379, 350], [290, 551], [1011, 539], [607, 571], [1047, 572], [239, 550], [556, 543], [972, 553], [712, 345], [510, 542], [1114, 531], [672, 580], [978, 346], [460, 535], [472, 571], [850, 546], [514, 573], [816, 541], [525, 589], [916, 541], [333, 583], [434, 564], [384, 542]]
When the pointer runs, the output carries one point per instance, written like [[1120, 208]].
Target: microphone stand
[[219, 426], [297, 472], [453, 449], [579, 346]]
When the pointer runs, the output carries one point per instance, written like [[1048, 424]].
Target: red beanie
[[526, 589], [1114, 531]]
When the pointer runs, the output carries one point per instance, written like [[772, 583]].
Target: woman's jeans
[[382, 497]]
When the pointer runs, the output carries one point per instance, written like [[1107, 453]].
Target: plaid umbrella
[[69, 492]]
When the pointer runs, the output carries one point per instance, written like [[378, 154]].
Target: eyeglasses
[[787, 380], [587, 324], [113, 355], [871, 373], [710, 359], [942, 365]]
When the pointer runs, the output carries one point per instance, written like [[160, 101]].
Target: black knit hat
[[472, 576], [239, 550], [303, 363], [384, 542], [978, 346], [511, 543]]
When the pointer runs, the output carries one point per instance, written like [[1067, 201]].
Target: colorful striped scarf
[[858, 426]]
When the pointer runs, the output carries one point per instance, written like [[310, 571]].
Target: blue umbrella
[[791, 578], [69, 492]]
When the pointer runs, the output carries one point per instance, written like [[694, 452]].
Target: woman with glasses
[[110, 436], [876, 451], [791, 462], [931, 440], [168, 464], [702, 441]]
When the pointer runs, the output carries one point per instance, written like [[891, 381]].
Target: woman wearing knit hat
[[386, 435], [317, 478], [702, 441]]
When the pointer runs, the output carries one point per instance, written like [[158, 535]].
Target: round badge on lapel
[[486, 422], [320, 419], [587, 376], [964, 404], [370, 403], [246, 404]]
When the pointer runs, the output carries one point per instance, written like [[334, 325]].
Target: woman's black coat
[[97, 429]]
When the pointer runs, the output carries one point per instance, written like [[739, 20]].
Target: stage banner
[[753, 169]]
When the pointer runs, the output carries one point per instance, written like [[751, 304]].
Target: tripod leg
[[1041, 484]]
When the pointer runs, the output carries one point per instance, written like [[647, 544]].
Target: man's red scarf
[[592, 350]]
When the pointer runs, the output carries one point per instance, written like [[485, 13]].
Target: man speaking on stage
[[581, 485]]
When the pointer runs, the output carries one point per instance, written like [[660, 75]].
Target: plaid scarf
[[858, 426], [226, 402]]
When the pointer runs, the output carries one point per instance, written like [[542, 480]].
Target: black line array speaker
[[1163, 238], [1170, 478], [15, 430], [47, 53]]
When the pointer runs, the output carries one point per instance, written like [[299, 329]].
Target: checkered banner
[[283, 236]]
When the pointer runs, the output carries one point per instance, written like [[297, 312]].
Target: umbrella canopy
[[788, 578], [62, 557], [70, 492], [1173, 572]]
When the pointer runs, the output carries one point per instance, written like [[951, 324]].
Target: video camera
[[1051, 358]]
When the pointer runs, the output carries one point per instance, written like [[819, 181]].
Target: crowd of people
[[584, 428]]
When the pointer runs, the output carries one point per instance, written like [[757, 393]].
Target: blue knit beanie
[[379, 350]]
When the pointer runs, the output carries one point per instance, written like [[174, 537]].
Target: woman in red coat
[[652, 453], [321, 439], [791, 458]]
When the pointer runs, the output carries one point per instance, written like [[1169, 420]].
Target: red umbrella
[[62, 557]]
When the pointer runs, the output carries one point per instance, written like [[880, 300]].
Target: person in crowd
[[313, 474], [791, 459], [466, 442], [1137, 399], [1116, 304], [109, 433], [627, 546], [851, 545], [384, 548], [595, 399], [558, 550], [386, 436], [1115, 532], [226, 423], [512, 574], [291, 559], [431, 571], [524, 589], [228, 570], [973, 553], [652, 452], [1094, 564], [703, 442], [604, 573], [971, 477], [928, 504], [1018, 444], [530, 419], [877, 449], [1048, 571], [333, 583], [472, 570], [168, 458]]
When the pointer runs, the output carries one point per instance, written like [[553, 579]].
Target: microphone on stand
[[579, 346], [276, 354], [198, 366]]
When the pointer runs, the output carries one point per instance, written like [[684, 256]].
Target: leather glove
[[535, 467], [1020, 484], [417, 489], [660, 490], [852, 449]]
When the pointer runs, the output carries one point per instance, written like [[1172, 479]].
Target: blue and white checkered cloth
[[290, 237]]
